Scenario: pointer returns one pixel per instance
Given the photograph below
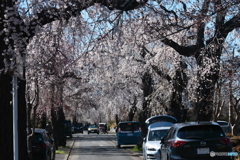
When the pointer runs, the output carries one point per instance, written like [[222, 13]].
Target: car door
[[50, 143], [165, 144], [144, 144]]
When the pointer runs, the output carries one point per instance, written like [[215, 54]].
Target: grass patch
[[60, 152], [136, 148], [63, 147]]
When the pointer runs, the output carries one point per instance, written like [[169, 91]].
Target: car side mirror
[[144, 139], [51, 140], [162, 140]]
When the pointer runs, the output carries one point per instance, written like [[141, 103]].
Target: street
[[100, 147]]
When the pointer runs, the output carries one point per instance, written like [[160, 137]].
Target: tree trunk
[[6, 117], [207, 77], [22, 119], [218, 103], [116, 119], [58, 119], [58, 116], [146, 112], [143, 116], [177, 109], [131, 113], [133, 109], [204, 109]]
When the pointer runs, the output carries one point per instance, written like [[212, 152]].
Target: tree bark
[[22, 119], [177, 109], [57, 116], [6, 118], [146, 112], [207, 80], [133, 109]]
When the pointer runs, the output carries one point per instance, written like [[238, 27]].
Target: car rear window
[[37, 137], [79, 124], [129, 126], [223, 123], [205, 131], [156, 135]]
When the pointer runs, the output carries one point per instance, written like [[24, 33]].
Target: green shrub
[[136, 148], [60, 152]]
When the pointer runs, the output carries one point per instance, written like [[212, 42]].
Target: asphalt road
[[100, 147]]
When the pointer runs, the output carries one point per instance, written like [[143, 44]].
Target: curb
[[71, 143]]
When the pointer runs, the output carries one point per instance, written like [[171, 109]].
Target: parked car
[[42, 146], [93, 129], [195, 140], [157, 128], [102, 128], [225, 126], [128, 133], [72, 128], [151, 144], [78, 128], [68, 128]]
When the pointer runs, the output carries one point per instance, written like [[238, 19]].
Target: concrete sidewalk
[[67, 149]]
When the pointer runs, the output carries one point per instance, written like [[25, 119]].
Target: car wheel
[[88, 132], [53, 156], [48, 157], [167, 158], [117, 145], [144, 157]]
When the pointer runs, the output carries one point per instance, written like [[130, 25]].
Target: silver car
[[151, 144]]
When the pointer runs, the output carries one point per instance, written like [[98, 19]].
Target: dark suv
[[68, 128], [78, 128], [43, 147], [196, 141]]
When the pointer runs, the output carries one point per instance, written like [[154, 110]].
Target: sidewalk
[[67, 149]]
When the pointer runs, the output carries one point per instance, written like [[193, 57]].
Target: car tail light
[[225, 141], [43, 145], [176, 143]]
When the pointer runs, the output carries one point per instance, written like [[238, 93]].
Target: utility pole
[[15, 116]]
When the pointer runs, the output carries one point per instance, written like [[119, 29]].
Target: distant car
[[102, 127], [195, 140], [225, 126], [78, 128], [93, 129], [128, 133], [68, 128], [72, 128], [43, 147]]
